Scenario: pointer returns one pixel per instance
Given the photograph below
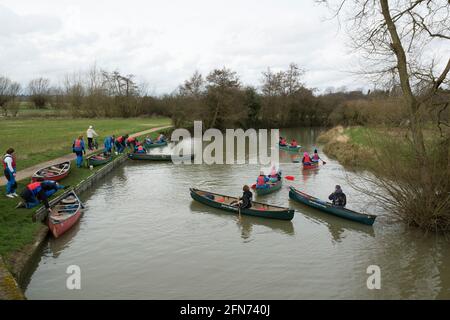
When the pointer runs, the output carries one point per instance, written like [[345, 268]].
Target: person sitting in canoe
[[338, 197], [140, 148], [78, 149], [282, 142], [148, 140], [306, 158], [275, 175], [261, 181], [37, 192], [294, 144], [108, 144], [315, 157], [245, 201], [161, 139]]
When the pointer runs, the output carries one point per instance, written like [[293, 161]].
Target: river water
[[143, 237]]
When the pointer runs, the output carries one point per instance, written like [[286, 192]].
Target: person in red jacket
[[37, 192], [306, 158]]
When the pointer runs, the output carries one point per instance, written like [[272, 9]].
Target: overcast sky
[[164, 42]]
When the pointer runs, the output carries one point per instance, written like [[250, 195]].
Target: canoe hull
[[59, 229], [288, 148], [327, 207], [155, 157], [287, 214], [98, 162], [313, 165], [274, 187], [38, 177], [155, 145]]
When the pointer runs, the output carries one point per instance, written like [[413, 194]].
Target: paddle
[[291, 178]]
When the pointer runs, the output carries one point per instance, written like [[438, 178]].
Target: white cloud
[[164, 42]]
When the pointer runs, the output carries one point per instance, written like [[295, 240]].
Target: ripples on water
[[143, 237]]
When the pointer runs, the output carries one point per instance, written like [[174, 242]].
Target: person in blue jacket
[[37, 192], [78, 148], [108, 143]]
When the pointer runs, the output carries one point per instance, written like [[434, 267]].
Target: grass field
[[39, 140], [16, 227]]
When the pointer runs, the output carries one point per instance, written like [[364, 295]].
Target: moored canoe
[[155, 145], [54, 172], [98, 159], [258, 209], [327, 207], [65, 213], [156, 157]]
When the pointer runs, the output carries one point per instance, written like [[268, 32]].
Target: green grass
[[16, 227], [39, 140]]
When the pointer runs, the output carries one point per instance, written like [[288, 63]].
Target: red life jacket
[[13, 161], [283, 141], [294, 143], [307, 159], [119, 139], [140, 148], [131, 139], [260, 181], [77, 143], [34, 186]]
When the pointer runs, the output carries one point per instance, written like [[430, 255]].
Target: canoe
[[54, 172], [273, 187], [327, 207], [65, 213], [155, 145], [289, 148], [98, 159], [156, 157], [258, 209], [311, 165]]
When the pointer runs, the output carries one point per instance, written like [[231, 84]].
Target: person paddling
[[283, 142], [294, 143], [37, 192], [245, 201], [78, 148], [261, 181], [9, 169], [161, 139], [140, 148], [338, 197]]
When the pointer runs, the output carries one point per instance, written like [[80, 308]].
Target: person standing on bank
[[90, 134], [78, 148], [9, 169]]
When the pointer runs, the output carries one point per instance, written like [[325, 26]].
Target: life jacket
[[13, 161], [35, 187], [316, 157], [77, 144], [140, 149], [119, 139], [283, 141], [306, 158], [131, 139], [260, 181], [294, 143]]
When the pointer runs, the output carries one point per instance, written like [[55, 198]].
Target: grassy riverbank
[[16, 227], [40, 140]]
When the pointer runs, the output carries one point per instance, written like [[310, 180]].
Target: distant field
[[39, 140]]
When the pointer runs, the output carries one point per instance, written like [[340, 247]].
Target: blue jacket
[[108, 142]]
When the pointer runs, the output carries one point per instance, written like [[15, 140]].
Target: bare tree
[[194, 87], [9, 90], [39, 91]]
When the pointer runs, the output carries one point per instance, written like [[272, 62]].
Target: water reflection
[[245, 223]]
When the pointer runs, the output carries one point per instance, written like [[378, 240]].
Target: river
[[143, 237]]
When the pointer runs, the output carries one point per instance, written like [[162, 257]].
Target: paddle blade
[[323, 162], [291, 178], [253, 186]]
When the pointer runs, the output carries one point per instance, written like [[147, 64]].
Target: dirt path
[[28, 172]]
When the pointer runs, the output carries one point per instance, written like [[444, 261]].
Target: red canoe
[[65, 214], [54, 172], [311, 165]]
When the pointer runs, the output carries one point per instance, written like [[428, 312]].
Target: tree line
[[219, 99]]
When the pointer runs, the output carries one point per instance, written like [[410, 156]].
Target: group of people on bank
[[39, 192]]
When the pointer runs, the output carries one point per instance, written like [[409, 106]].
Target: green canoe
[[98, 160], [327, 207], [258, 209], [155, 145], [273, 187], [156, 157], [289, 148]]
